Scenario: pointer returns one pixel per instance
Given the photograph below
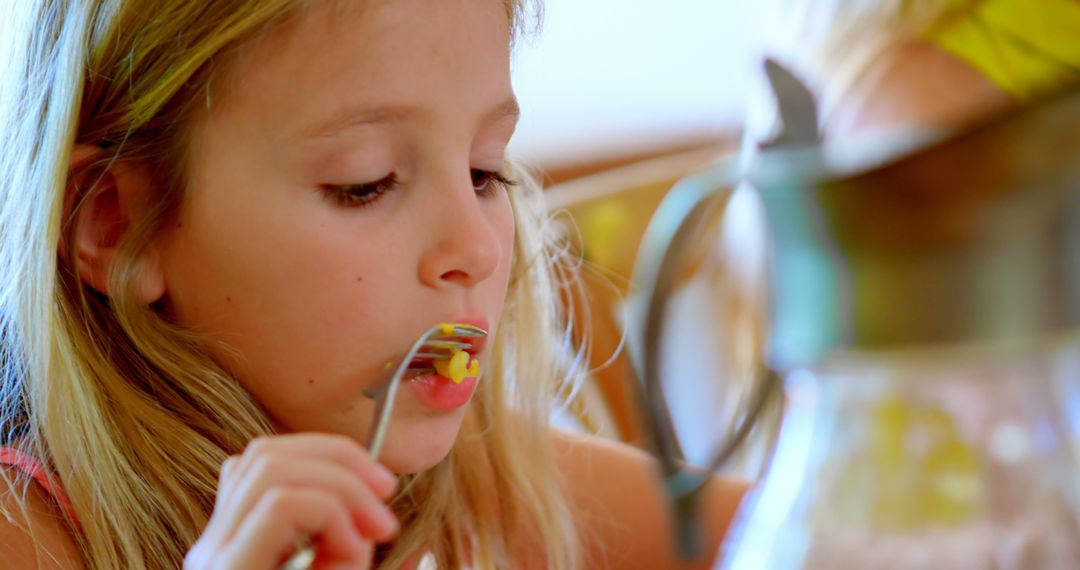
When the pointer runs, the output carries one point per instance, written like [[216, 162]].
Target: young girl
[[219, 219]]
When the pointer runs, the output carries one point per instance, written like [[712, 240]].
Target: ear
[[118, 197]]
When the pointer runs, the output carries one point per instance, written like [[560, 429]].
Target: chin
[[418, 448]]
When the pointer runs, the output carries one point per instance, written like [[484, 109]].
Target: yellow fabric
[[1026, 47]]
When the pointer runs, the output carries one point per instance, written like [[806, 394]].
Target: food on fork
[[458, 366]]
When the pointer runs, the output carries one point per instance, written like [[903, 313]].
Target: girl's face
[[306, 291]]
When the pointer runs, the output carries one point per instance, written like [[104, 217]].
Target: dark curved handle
[[678, 221]]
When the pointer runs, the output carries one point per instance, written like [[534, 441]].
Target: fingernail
[[387, 479], [387, 520]]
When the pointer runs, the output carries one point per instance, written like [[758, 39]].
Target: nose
[[464, 248]]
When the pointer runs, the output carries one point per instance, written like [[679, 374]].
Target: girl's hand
[[283, 488]]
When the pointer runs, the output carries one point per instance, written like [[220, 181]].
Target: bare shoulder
[[622, 510], [42, 523], [916, 84]]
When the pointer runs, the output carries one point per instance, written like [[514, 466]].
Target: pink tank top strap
[[46, 480]]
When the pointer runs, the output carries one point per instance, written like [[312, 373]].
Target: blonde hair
[[126, 407]]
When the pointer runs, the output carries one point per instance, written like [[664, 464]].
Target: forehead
[[421, 54]]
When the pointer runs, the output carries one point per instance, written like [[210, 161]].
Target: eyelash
[[492, 182], [362, 195]]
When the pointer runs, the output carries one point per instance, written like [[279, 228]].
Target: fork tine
[[462, 330], [448, 344], [432, 355]]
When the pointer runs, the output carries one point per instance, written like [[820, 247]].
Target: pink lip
[[440, 393]]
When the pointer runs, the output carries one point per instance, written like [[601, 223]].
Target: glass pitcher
[[921, 458], [926, 332]]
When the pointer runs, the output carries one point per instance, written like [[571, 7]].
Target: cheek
[[291, 318], [289, 290], [506, 228]]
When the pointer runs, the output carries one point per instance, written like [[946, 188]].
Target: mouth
[[451, 376], [455, 364], [430, 374]]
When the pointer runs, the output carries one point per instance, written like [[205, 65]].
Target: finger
[[281, 518], [370, 515], [332, 447], [322, 562], [343, 566], [226, 478], [227, 474], [228, 466]]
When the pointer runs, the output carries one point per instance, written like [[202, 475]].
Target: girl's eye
[[360, 195], [487, 182]]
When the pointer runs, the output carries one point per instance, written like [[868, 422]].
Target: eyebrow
[[351, 117]]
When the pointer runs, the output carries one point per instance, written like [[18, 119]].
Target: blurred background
[[928, 448], [610, 80], [619, 100]]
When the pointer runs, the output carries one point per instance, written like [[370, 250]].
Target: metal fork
[[436, 342]]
